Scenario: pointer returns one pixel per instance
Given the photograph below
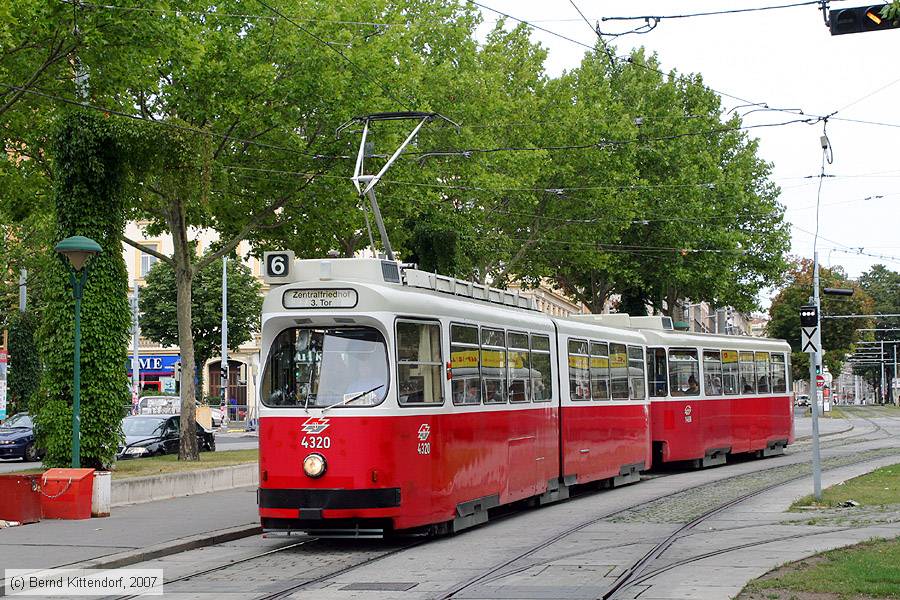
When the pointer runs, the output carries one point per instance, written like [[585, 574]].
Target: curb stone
[[137, 490]]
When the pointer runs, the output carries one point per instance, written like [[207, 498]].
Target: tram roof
[[394, 288]]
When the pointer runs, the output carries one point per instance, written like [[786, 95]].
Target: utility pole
[[815, 360], [23, 282], [135, 348], [223, 377], [894, 379]]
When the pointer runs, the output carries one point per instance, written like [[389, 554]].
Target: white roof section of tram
[[381, 289], [681, 339]]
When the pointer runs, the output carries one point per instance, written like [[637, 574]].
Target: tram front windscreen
[[317, 368]]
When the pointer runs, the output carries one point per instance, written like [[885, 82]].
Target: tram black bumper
[[325, 499]]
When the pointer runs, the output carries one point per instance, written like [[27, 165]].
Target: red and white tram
[[394, 399]]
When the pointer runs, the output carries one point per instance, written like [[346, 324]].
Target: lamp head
[[79, 250]]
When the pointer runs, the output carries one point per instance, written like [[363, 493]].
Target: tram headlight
[[314, 465]]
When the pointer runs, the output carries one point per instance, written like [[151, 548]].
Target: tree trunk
[[184, 277]]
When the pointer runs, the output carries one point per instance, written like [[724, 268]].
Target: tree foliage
[[838, 335], [90, 173], [158, 313], [24, 361], [883, 285], [610, 178]]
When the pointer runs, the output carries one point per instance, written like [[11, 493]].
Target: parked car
[[17, 438], [171, 405], [153, 435], [802, 400]]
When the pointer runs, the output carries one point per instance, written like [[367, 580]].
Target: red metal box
[[20, 498], [66, 493]]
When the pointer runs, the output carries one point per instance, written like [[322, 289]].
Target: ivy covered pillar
[[89, 190]]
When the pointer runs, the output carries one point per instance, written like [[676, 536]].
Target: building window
[[148, 260]]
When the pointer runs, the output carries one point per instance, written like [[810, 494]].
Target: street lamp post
[[78, 250]]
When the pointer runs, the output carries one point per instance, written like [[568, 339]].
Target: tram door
[[524, 422]]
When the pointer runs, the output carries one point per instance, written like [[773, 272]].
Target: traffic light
[[818, 369], [809, 316], [860, 19]]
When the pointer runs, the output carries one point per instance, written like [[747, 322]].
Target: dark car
[[152, 435], [17, 438]]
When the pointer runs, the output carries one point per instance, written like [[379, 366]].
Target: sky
[[787, 59]]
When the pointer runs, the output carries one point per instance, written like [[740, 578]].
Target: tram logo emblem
[[314, 425], [424, 432], [687, 410]]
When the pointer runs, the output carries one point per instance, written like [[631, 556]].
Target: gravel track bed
[[687, 505]]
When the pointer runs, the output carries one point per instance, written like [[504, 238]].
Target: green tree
[[90, 172], [217, 138], [159, 320], [838, 335], [24, 361], [689, 210], [883, 285]]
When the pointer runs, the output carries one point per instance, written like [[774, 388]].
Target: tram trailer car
[[394, 399], [715, 395]]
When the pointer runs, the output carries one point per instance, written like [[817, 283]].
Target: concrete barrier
[[136, 490]]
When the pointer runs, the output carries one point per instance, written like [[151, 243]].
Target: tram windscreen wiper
[[353, 398]]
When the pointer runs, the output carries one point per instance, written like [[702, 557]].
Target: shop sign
[[151, 362]]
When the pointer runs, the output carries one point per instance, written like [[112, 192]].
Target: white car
[[171, 405], [802, 400]]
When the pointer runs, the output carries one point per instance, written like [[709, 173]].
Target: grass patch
[[880, 487], [868, 569], [169, 463]]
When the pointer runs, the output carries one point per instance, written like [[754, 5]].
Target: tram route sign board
[[277, 265], [810, 333]]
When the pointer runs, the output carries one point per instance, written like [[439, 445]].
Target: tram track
[[635, 575], [637, 569], [290, 586]]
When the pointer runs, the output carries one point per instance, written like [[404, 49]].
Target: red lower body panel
[[689, 428]]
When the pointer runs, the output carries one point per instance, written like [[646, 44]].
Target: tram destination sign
[[321, 298]]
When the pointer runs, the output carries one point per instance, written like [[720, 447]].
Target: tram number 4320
[[424, 448], [316, 442]]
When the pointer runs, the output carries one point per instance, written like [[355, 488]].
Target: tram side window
[[656, 369], [636, 372], [541, 368], [465, 364], [712, 372], [684, 373], [618, 371], [579, 371], [419, 363], [518, 365], [600, 370], [762, 372], [779, 374], [730, 372], [493, 365], [748, 380]]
